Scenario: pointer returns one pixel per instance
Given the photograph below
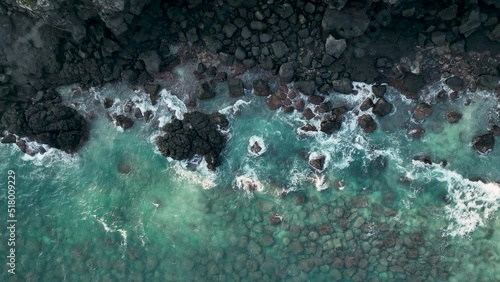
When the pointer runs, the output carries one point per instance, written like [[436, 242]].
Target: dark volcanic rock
[[152, 89], [305, 87], [367, 123], [483, 143], [261, 88], [256, 148], [412, 85], [335, 47], [9, 139], [453, 117], [204, 91], [455, 83], [367, 104], [286, 72], [56, 125], [235, 87], [379, 90], [318, 162], [416, 132], [489, 82], [345, 24], [124, 121], [274, 102], [343, 85], [108, 103], [382, 107], [422, 111], [330, 125], [196, 134]]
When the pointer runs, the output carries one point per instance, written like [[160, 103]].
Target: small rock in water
[[416, 132], [138, 113], [453, 117], [128, 106], [424, 159], [318, 162], [108, 103], [256, 148], [308, 127], [124, 121], [422, 111], [382, 107], [367, 123], [483, 143]]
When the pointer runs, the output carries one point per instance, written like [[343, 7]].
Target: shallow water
[[80, 219]]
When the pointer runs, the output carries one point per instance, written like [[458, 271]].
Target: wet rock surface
[[196, 134], [48, 123]]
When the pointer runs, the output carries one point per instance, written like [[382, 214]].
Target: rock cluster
[[48, 122], [196, 134]]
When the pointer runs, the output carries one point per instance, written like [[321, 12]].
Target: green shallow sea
[[80, 219]]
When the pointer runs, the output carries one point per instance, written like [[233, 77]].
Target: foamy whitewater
[[120, 211]]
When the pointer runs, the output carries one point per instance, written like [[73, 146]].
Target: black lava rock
[[56, 125], [196, 134]]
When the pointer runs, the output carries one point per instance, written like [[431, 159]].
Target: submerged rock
[[196, 134], [204, 91], [453, 117], [483, 143]]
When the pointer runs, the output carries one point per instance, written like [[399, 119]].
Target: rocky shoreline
[[319, 45]]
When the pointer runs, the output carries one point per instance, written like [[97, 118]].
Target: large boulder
[[261, 88], [335, 47], [286, 72], [453, 117], [345, 24], [367, 123], [422, 111], [484, 143], [152, 61], [382, 107], [56, 125], [235, 87], [196, 134], [343, 85]]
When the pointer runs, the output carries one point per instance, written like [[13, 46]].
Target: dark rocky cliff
[[323, 44]]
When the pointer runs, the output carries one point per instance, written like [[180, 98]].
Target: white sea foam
[[113, 228], [235, 108], [248, 181], [201, 176], [319, 181], [52, 157], [472, 202]]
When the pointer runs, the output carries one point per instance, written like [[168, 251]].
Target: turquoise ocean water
[[373, 214]]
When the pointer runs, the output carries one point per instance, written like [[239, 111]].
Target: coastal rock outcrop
[[196, 134], [56, 125]]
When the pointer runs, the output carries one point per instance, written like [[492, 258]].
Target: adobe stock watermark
[[11, 221]]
